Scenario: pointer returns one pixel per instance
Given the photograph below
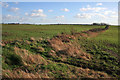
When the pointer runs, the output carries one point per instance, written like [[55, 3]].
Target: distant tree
[[96, 24]]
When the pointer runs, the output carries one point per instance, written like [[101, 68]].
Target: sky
[[60, 12]]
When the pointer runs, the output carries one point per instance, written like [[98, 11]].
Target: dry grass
[[68, 49], [28, 42], [29, 58], [79, 72], [91, 33], [2, 44], [32, 39], [22, 74], [63, 47], [91, 73]]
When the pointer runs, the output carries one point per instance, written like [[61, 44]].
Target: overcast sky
[[60, 12]]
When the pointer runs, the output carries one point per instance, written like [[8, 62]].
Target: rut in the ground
[[92, 32], [64, 47]]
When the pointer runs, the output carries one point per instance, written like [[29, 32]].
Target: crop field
[[60, 51]]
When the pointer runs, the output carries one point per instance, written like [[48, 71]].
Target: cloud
[[38, 11], [99, 4], [113, 16], [95, 9], [16, 2], [88, 5], [4, 4], [50, 10], [23, 19], [62, 16], [110, 12], [26, 14], [14, 9], [9, 17], [37, 15], [89, 15], [83, 15], [65, 9], [100, 15]]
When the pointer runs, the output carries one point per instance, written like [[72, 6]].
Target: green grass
[[103, 48], [105, 55], [101, 61], [111, 35], [11, 32], [10, 59]]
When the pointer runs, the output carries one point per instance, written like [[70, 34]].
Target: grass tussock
[[29, 58], [68, 48], [22, 74]]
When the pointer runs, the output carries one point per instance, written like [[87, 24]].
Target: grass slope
[[34, 57]]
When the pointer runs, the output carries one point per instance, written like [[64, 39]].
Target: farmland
[[26, 31], [53, 51]]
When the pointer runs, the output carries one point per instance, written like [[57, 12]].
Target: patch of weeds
[[11, 59], [14, 59], [56, 69], [73, 31], [6, 66], [97, 64]]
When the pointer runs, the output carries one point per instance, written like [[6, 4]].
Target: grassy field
[[11, 32], [33, 51], [25, 31], [110, 35]]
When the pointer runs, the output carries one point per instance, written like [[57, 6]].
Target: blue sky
[[60, 12]]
